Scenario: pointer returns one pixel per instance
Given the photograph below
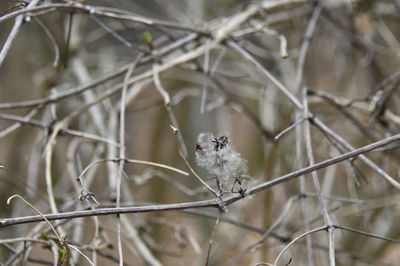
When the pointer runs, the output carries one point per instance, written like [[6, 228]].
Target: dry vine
[[290, 89]]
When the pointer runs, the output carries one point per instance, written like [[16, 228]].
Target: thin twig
[[111, 31], [42, 24], [277, 222], [41, 214], [82, 254], [11, 37], [305, 45], [167, 103], [197, 176], [64, 60], [212, 239], [17, 125], [205, 87], [366, 233], [115, 13], [131, 161], [289, 128], [121, 163], [51, 142], [310, 157], [297, 239]]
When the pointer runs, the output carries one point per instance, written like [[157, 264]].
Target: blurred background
[[350, 68]]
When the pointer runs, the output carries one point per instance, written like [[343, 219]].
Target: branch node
[[221, 204]]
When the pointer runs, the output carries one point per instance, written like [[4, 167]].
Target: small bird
[[220, 159]]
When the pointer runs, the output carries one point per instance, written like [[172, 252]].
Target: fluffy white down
[[222, 161]]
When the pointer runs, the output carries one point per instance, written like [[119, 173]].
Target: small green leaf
[[147, 37], [43, 236], [261, 17], [62, 254]]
